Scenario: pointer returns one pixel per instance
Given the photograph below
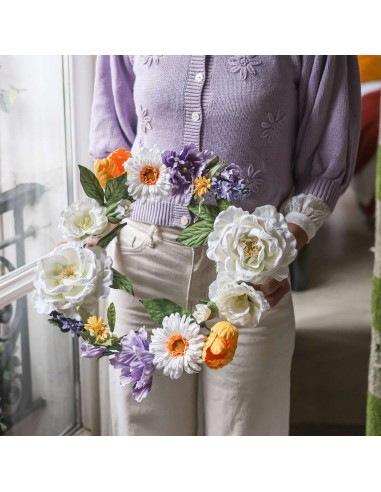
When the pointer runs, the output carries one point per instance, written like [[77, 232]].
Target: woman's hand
[[273, 290], [93, 241]]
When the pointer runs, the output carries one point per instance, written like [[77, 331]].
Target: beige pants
[[251, 396]]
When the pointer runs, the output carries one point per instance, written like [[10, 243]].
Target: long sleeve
[[113, 117], [329, 122]]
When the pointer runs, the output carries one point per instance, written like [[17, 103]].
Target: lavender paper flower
[[185, 168], [136, 363], [89, 351], [68, 324], [231, 173], [226, 190]]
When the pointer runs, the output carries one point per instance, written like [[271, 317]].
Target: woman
[[292, 123]]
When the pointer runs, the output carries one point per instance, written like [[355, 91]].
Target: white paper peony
[[252, 247], [201, 313], [83, 219], [238, 303], [72, 276]]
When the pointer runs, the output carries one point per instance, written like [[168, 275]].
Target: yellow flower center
[[149, 175], [85, 223], [251, 248], [69, 272], [201, 185], [97, 329], [177, 345]]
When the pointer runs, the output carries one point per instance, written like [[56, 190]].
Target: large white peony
[[252, 247], [83, 219], [238, 303], [72, 276]]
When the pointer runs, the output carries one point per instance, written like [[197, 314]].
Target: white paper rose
[[202, 313], [252, 247], [83, 219], [239, 303], [72, 276]]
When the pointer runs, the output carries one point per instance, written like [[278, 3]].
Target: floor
[[330, 364]]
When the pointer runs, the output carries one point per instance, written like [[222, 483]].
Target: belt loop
[[150, 239]]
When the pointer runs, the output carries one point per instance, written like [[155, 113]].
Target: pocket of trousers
[[135, 237]]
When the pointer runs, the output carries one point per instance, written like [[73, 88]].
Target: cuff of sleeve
[[325, 189], [304, 222]]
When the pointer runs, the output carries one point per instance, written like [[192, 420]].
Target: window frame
[[77, 88]]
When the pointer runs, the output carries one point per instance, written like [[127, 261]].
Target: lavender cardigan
[[291, 122]]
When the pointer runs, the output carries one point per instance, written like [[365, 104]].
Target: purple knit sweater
[[291, 122]]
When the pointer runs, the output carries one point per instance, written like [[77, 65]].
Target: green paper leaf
[[158, 309], [85, 315], [196, 235], [91, 185], [121, 282], [116, 190], [103, 243], [212, 163], [85, 335], [113, 220], [111, 316], [215, 170], [205, 212], [54, 322], [223, 205]]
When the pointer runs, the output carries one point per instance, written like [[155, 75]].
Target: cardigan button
[[196, 116], [184, 220], [199, 77]]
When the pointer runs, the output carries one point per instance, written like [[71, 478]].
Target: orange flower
[[220, 346], [111, 166]]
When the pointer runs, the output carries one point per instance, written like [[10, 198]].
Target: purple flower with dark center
[[91, 351], [68, 324], [136, 363], [185, 168]]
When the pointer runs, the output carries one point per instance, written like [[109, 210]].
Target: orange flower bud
[[111, 166], [220, 346]]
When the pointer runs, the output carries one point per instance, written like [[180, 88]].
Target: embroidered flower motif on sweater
[[244, 64], [273, 127], [145, 119], [254, 179], [149, 59]]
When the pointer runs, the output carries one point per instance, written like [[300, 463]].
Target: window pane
[[38, 365], [37, 377], [32, 156]]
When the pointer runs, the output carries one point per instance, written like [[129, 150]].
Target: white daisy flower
[[177, 346], [148, 177]]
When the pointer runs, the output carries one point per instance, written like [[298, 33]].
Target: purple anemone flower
[[136, 363], [91, 351], [185, 168], [68, 324], [231, 173]]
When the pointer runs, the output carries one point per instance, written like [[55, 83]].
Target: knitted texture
[[297, 118], [373, 419]]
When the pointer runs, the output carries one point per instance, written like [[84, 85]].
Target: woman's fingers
[[274, 291], [93, 241]]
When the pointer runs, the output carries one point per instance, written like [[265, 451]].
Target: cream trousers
[[250, 396]]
